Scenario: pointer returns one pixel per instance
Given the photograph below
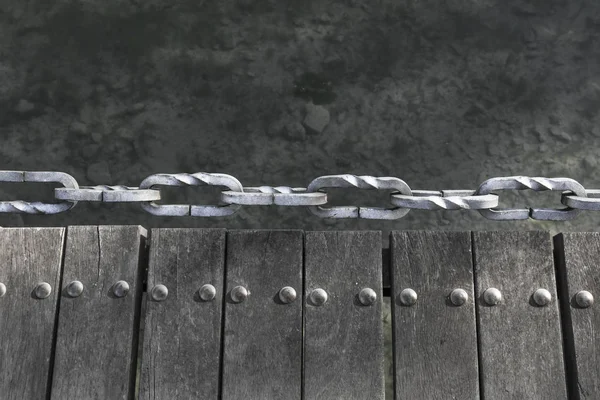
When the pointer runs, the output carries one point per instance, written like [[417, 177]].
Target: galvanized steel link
[[445, 200], [196, 179], [107, 194], [360, 182], [19, 206], [536, 184], [575, 197], [589, 203], [278, 195]]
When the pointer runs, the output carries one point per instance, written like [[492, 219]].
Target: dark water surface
[[443, 94]]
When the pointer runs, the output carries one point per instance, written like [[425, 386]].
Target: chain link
[[279, 195], [590, 203], [360, 182], [107, 194], [197, 179], [535, 184], [574, 196], [25, 207], [445, 200]]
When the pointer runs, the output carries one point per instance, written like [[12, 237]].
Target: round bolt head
[[287, 294], [458, 297], [207, 292], [408, 297], [542, 297], [120, 289], [584, 299], [159, 293], [318, 297], [367, 297], [2, 289], [239, 294], [74, 289], [43, 290], [492, 296]]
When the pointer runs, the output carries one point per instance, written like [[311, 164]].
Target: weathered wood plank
[[182, 335], [28, 256], [435, 340], [262, 357], [521, 354], [97, 334], [343, 342], [578, 255]]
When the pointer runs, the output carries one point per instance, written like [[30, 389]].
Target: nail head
[[287, 294], [492, 296], [318, 297], [207, 292], [458, 297], [74, 289], [239, 294], [43, 290], [408, 297], [584, 299], [159, 292], [2, 289], [367, 297], [542, 297], [121, 288]]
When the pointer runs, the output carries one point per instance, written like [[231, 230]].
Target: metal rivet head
[[2, 289], [239, 294], [207, 292], [318, 297], [287, 294], [542, 297], [159, 292], [121, 288], [43, 290], [408, 297], [367, 297], [492, 296], [458, 297], [74, 289], [584, 299]]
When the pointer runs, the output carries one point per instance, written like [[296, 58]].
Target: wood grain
[[435, 341], [98, 332], [28, 256], [262, 356], [578, 255], [521, 348], [182, 335], [343, 344]]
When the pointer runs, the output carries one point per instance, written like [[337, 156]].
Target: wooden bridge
[[112, 312]]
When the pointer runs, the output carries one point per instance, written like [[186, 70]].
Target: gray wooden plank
[[435, 341], [28, 256], [578, 255], [182, 334], [343, 339], [262, 356], [97, 333], [521, 354]]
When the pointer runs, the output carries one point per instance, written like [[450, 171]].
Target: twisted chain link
[[573, 195], [535, 184]]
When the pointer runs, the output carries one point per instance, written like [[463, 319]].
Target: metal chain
[[360, 182], [574, 196], [535, 184], [279, 195]]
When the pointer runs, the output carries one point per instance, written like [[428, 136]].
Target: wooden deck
[[200, 313]]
